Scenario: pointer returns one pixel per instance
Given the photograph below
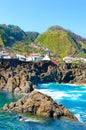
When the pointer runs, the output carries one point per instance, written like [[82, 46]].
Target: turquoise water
[[6, 98], [73, 97]]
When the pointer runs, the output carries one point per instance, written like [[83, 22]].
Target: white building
[[34, 58], [46, 57], [5, 55], [71, 59], [20, 57]]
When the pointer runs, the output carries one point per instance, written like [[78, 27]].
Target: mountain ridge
[[58, 40]]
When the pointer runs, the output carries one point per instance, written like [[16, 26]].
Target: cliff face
[[16, 76], [74, 74]]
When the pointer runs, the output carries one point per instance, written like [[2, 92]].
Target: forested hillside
[[56, 40], [10, 34]]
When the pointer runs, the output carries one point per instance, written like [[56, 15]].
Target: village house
[[4, 55], [72, 59]]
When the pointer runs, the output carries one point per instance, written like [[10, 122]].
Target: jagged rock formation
[[23, 76], [16, 76], [40, 104], [74, 74]]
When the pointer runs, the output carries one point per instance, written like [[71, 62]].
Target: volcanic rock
[[40, 104]]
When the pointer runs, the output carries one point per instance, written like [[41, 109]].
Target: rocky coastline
[[17, 76], [23, 77]]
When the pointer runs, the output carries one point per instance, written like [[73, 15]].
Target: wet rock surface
[[40, 104], [23, 77]]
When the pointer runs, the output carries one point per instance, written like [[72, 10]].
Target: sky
[[39, 15]]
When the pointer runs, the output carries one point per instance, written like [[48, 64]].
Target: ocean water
[[71, 96]]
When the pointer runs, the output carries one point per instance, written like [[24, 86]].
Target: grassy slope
[[60, 42], [1, 42]]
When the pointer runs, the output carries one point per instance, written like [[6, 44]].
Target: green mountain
[[62, 42], [56, 40], [10, 35]]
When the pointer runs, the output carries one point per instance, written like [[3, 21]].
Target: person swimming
[[23, 119]]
